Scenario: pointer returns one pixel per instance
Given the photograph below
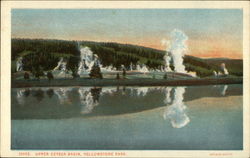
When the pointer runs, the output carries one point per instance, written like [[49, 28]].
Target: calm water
[[128, 118]]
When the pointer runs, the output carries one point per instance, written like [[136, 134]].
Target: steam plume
[[88, 59], [176, 48], [61, 65], [19, 64], [223, 69]]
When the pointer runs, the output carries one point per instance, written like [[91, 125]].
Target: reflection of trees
[[50, 92], [89, 98], [123, 90], [95, 92], [38, 94], [176, 111], [132, 91], [27, 92]]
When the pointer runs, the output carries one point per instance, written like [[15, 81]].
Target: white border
[[5, 66]]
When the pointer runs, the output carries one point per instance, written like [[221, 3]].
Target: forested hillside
[[46, 53]]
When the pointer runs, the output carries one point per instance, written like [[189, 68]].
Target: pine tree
[[26, 76], [95, 72], [50, 75], [117, 76], [124, 73]]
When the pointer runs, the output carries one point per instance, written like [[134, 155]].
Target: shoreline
[[124, 82]]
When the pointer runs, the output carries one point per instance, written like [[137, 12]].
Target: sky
[[212, 33]]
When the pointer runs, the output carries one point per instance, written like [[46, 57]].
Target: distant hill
[[46, 53], [234, 66]]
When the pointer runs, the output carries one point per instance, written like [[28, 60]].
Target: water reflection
[[89, 101], [176, 111], [109, 90], [222, 89], [168, 99], [50, 93], [38, 94], [223, 92], [142, 91], [20, 96], [62, 94], [89, 98]]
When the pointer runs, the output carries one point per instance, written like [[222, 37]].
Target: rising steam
[[176, 48], [61, 65], [224, 69], [19, 64], [88, 59]]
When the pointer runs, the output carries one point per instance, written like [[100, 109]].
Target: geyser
[[142, 68], [19, 64], [176, 48], [61, 65], [224, 69], [88, 59]]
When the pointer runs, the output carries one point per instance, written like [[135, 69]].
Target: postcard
[[124, 79]]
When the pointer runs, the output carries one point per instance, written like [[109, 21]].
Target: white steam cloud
[[224, 69], [61, 65], [176, 48], [19, 64], [88, 59]]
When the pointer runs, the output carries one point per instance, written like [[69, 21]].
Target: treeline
[[40, 45], [46, 54]]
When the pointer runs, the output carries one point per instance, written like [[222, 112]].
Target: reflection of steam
[[141, 91], [168, 93], [108, 90], [89, 99], [20, 96], [223, 92], [62, 94], [176, 111]]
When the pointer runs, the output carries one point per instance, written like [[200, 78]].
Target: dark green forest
[[46, 53]]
